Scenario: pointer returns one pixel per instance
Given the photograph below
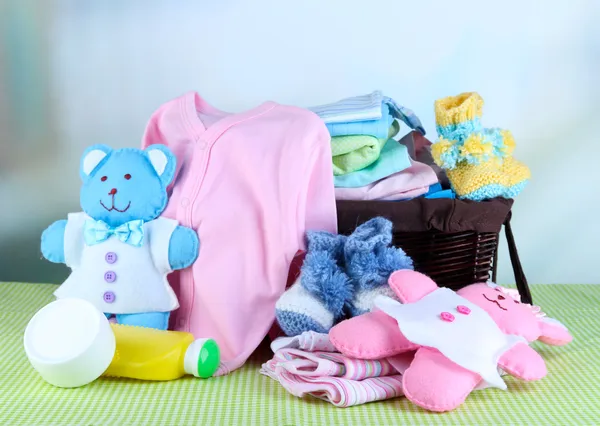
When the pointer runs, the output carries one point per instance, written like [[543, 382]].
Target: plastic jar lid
[[69, 342]]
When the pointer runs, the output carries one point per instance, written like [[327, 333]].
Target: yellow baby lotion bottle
[[70, 343], [150, 354]]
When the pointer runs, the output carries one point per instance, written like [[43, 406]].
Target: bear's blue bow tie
[[96, 231]]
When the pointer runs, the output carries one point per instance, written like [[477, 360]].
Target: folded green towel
[[355, 152], [393, 159]]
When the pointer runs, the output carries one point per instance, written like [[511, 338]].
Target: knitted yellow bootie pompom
[[509, 142], [462, 136]]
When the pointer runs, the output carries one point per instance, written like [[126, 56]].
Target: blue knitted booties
[[315, 302], [370, 260]]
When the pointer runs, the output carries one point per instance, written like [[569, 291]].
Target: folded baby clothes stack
[[361, 126], [478, 161], [368, 163]]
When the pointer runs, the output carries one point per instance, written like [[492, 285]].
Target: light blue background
[[74, 73]]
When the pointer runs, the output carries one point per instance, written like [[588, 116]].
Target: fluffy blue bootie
[[315, 302], [370, 261]]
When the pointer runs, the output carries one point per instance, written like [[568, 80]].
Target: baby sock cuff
[[453, 111]]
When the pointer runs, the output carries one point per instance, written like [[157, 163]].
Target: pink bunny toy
[[460, 338]]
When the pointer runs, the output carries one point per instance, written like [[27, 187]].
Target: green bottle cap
[[202, 358]]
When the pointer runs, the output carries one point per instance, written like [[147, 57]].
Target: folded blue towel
[[366, 108], [393, 159], [378, 128]]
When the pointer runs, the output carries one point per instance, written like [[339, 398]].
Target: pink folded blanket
[[409, 183]]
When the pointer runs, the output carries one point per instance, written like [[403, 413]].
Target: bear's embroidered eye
[[516, 301], [103, 178], [127, 176]]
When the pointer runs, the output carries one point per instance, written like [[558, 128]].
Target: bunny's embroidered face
[[125, 184], [512, 316]]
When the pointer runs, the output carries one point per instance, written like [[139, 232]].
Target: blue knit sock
[[316, 300], [370, 260]]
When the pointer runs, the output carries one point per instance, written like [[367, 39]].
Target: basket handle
[[520, 279]]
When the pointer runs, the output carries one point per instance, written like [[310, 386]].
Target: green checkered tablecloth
[[570, 394]]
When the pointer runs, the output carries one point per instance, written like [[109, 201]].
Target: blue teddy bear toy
[[118, 249]]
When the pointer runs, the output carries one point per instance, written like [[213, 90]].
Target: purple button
[[110, 277], [110, 257], [109, 297]]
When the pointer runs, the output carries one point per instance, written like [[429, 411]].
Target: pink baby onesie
[[251, 185]]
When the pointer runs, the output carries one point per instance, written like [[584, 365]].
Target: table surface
[[570, 394]]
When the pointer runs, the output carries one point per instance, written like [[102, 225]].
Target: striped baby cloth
[[330, 376], [366, 108], [307, 365]]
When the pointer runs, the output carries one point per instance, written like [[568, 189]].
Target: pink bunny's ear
[[411, 286], [552, 332]]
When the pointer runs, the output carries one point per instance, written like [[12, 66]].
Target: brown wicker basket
[[455, 242]]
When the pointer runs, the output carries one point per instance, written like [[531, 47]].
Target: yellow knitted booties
[[477, 160]]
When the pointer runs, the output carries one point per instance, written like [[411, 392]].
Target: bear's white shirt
[[141, 272], [473, 341]]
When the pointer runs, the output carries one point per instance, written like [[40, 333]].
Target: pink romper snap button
[[463, 310], [447, 316]]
